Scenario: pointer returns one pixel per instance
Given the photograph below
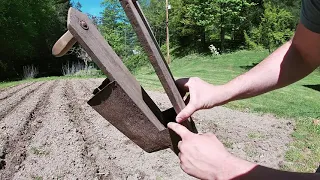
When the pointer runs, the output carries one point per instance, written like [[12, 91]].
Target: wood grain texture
[[63, 45], [148, 41], [109, 62], [113, 104]]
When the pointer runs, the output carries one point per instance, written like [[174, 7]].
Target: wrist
[[229, 93], [237, 88], [235, 167]]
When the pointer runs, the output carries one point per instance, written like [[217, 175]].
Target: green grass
[[15, 83], [296, 101]]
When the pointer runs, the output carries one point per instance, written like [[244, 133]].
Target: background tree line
[[30, 28]]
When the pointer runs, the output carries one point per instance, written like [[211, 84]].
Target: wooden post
[[157, 59], [167, 27]]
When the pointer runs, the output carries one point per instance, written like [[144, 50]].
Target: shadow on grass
[[248, 67], [314, 87]]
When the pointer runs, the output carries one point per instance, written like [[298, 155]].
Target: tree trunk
[[203, 39], [222, 30]]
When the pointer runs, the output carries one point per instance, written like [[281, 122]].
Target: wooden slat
[[108, 61], [152, 48], [148, 41]]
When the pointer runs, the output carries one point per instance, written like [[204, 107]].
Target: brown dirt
[[47, 131]]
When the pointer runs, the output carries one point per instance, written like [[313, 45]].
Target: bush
[[71, 69], [80, 70], [89, 72], [30, 72], [273, 31], [136, 61]]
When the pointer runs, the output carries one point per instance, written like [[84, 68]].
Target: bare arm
[[291, 62], [264, 173]]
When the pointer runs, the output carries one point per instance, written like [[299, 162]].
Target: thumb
[[186, 113], [182, 131]]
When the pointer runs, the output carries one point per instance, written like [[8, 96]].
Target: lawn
[[298, 101]]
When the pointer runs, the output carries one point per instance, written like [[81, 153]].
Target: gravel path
[[47, 131]]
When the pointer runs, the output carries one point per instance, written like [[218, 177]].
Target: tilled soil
[[47, 131]]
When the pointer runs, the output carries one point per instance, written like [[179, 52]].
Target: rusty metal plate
[[118, 108]]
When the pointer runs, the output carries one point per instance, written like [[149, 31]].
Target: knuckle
[[211, 135]]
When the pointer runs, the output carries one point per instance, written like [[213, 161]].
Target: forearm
[[283, 67], [239, 169], [264, 173]]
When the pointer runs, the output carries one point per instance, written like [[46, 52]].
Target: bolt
[[84, 25]]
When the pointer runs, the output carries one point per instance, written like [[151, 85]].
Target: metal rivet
[[84, 25]]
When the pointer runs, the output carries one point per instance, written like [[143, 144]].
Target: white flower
[[214, 50]]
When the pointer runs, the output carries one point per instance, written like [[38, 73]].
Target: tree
[[115, 27], [202, 21], [275, 28], [156, 15], [29, 30]]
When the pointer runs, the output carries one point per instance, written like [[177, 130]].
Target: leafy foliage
[[29, 30], [274, 29]]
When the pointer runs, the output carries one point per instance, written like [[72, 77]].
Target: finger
[[182, 131], [186, 113], [182, 86], [179, 145]]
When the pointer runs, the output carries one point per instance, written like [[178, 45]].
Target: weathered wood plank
[[109, 62], [150, 45]]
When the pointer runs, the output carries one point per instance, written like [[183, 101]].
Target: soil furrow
[[8, 109], [85, 87], [96, 127], [15, 91], [56, 150], [12, 88], [96, 82], [81, 123], [123, 159], [57, 135], [15, 148]]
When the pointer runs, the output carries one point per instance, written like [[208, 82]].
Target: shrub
[[80, 70], [274, 29], [136, 61], [30, 72], [71, 69], [89, 72]]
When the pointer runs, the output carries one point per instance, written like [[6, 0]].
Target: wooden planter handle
[[63, 45]]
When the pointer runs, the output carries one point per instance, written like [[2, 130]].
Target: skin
[[203, 156]]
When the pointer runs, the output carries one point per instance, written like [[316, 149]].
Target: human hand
[[205, 157], [202, 96]]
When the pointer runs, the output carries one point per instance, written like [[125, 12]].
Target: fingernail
[[178, 119]]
